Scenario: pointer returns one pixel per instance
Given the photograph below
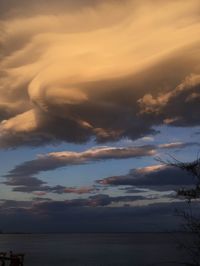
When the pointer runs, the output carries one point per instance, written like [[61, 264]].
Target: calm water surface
[[135, 249]]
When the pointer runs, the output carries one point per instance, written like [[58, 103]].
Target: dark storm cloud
[[158, 177]]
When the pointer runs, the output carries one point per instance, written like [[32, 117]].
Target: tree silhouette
[[193, 168], [191, 222]]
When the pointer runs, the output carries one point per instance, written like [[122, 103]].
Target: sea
[[115, 249]]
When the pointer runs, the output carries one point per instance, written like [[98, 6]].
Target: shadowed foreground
[[11, 259]]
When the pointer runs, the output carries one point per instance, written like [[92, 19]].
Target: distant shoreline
[[109, 233]]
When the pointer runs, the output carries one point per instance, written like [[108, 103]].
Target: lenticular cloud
[[98, 73]]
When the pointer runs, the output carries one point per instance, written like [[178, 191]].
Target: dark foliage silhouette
[[190, 217]]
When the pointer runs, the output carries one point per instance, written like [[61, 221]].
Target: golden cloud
[[70, 76]]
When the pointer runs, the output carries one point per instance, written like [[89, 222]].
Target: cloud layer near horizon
[[65, 216], [102, 69]]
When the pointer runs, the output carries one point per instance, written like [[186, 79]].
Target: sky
[[92, 93]]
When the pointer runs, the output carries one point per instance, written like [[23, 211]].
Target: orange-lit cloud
[[81, 190], [54, 160], [95, 71]]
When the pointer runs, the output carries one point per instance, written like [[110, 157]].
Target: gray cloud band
[[158, 177], [61, 216]]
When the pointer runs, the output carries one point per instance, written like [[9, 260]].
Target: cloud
[[41, 199], [97, 200], [29, 184], [22, 177], [60, 216], [39, 188], [42, 190], [94, 69], [12, 204], [39, 193], [11, 7], [23, 173], [81, 190], [177, 145], [175, 107], [158, 177], [24, 181]]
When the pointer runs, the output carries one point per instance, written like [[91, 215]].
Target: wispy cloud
[[178, 145], [23, 179], [54, 160]]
